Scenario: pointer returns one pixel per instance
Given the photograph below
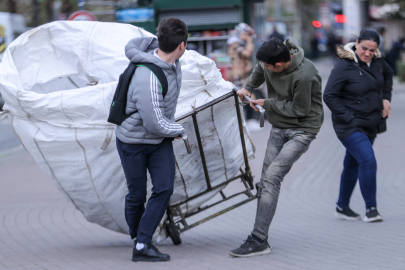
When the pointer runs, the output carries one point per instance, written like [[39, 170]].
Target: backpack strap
[[158, 72]]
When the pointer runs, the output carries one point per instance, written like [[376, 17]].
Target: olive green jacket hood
[[294, 94], [297, 54]]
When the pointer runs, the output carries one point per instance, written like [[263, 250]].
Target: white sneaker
[[372, 215]]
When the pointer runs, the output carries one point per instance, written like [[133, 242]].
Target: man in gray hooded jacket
[[144, 140]]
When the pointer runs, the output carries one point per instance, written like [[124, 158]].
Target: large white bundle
[[58, 81]]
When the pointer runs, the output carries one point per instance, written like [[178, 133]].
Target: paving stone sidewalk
[[41, 229]]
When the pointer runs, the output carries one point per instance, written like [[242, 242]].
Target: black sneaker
[[372, 215], [250, 248], [346, 214], [149, 253]]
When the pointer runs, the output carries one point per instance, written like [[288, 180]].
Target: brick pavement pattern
[[41, 229]]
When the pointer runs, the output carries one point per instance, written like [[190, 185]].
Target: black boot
[[149, 253]]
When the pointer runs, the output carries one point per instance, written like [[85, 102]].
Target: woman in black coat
[[358, 104]]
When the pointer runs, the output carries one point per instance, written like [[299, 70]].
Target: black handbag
[[382, 124]]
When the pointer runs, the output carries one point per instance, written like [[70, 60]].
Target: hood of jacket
[[347, 52], [297, 55], [141, 50]]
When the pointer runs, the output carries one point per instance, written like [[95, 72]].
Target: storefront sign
[[135, 15]]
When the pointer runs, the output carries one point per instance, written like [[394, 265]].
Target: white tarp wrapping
[[58, 81]]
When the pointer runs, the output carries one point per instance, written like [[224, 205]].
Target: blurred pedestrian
[[11, 6], [65, 10], [314, 46], [394, 54], [240, 50], [276, 34], [294, 108], [331, 45], [358, 93], [382, 41], [144, 140]]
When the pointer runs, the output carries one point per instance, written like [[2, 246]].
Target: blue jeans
[[359, 163], [158, 159]]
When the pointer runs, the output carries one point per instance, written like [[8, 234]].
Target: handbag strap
[[370, 76]]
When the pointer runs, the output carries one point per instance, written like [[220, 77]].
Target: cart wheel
[[174, 233]]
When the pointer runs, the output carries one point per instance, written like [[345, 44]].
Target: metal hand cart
[[176, 222]]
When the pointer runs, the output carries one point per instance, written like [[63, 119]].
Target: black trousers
[[159, 160]]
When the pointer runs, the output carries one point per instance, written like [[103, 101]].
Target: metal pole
[[204, 163], [242, 136]]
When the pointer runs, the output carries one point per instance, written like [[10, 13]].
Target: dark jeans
[[159, 160], [285, 146], [359, 163]]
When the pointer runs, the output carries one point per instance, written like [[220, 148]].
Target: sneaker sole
[[263, 252], [341, 216], [374, 219], [147, 259]]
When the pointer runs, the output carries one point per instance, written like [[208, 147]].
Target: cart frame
[[175, 215]]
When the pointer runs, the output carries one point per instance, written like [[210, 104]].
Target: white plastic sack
[[58, 81]]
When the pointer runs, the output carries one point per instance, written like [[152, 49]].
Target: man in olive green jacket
[[294, 108]]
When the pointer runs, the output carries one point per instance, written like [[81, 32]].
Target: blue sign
[[135, 15]]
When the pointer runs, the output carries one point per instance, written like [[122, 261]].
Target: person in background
[[276, 34], [382, 41], [394, 54], [11, 6], [145, 139], [357, 104], [332, 43], [240, 50], [65, 10], [314, 46], [295, 110]]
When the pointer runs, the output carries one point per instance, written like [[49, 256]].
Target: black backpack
[[118, 105]]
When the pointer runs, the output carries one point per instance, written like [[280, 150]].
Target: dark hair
[[369, 34], [171, 32], [273, 51]]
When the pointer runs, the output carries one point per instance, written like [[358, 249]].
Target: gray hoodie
[[154, 120]]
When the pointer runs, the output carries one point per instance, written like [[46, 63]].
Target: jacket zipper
[[360, 73]]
